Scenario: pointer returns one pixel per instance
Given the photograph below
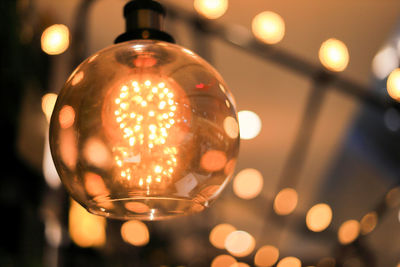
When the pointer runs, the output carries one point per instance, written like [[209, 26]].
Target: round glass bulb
[[138, 132]]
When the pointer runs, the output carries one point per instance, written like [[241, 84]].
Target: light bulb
[[138, 132]]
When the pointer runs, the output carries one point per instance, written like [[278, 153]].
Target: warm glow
[[249, 124], [348, 231], [240, 243], [240, 264], [135, 233], [334, 55], [248, 183], [219, 233], [289, 262], [213, 160], [231, 127], [48, 102], [393, 197], [266, 256], [86, 229], [285, 201], [145, 122], [96, 153], [95, 185], [66, 117], [137, 207], [223, 261], [319, 217], [384, 62], [393, 84], [368, 222], [211, 9], [55, 39], [268, 27]]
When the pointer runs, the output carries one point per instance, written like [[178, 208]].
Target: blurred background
[[317, 181]]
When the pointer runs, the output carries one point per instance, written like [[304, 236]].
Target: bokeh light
[[86, 229], [268, 27], [248, 183], [48, 102], [368, 222], [66, 117], [384, 62], [249, 124], [219, 233], [393, 84], [240, 243], [135, 233], [285, 201], [334, 55], [319, 217], [393, 197], [348, 231], [223, 261], [327, 262], [231, 127], [211, 9], [55, 39], [240, 264], [289, 262], [266, 256]]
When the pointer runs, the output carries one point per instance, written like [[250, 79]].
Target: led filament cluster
[[145, 113]]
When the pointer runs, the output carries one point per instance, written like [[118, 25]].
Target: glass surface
[[146, 130]]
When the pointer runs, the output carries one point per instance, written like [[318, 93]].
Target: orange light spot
[[266, 256], [240, 243], [219, 233], [248, 183], [94, 185], [135, 233], [289, 262], [213, 160], [223, 261], [348, 232], [137, 207], [66, 116], [285, 201], [319, 217]]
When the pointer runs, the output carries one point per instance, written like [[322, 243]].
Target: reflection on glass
[[66, 117], [213, 160], [268, 27], [348, 231], [266, 256], [219, 233], [248, 183], [285, 201], [240, 243]]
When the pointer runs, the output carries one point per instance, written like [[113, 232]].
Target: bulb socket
[[144, 19]]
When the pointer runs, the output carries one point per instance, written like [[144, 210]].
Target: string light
[[348, 232], [248, 183], [268, 27], [211, 9], [266, 256], [393, 84], [319, 217], [249, 124], [55, 39], [334, 55], [285, 201]]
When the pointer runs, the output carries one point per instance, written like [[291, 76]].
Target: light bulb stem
[[144, 19]]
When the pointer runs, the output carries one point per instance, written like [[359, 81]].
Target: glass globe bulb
[[140, 131]]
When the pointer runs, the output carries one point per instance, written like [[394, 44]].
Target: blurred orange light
[[268, 27], [240, 243], [334, 55], [223, 261], [96, 153], [393, 197], [137, 207], [266, 256], [289, 262], [348, 231], [77, 78], [135, 233], [393, 84], [240, 264], [285, 201], [213, 160], [368, 222], [94, 185], [219, 233], [248, 183], [211, 9], [319, 217], [231, 127], [48, 102], [249, 124], [55, 39], [66, 117], [85, 229]]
